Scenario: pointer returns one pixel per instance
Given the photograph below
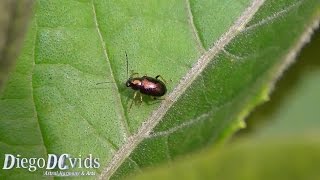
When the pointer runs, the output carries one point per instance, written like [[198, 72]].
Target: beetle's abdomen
[[153, 87]]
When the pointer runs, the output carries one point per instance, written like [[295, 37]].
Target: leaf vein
[[32, 87], [203, 90], [137, 165], [180, 126], [193, 27], [22, 145], [168, 149], [274, 16], [124, 120], [232, 55], [99, 135]]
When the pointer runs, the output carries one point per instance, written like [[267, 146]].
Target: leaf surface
[[217, 66]]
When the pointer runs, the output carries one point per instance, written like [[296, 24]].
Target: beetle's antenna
[[127, 65], [127, 70], [104, 82]]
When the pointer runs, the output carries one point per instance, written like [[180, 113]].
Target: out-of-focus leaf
[[14, 17], [281, 159]]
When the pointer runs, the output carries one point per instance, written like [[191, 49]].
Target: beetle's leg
[[140, 98], [134, 97], [138, 101], [166, 98], [158, 98], [159, 76], [134, 74]]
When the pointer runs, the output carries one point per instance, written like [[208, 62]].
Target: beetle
[[146, 85]]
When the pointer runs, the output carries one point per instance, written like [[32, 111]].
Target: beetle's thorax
[[134, 83]]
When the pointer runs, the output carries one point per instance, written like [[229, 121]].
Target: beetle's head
[[129, 82]]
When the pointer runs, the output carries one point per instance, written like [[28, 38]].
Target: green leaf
[[218, 66], [285, 158]]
